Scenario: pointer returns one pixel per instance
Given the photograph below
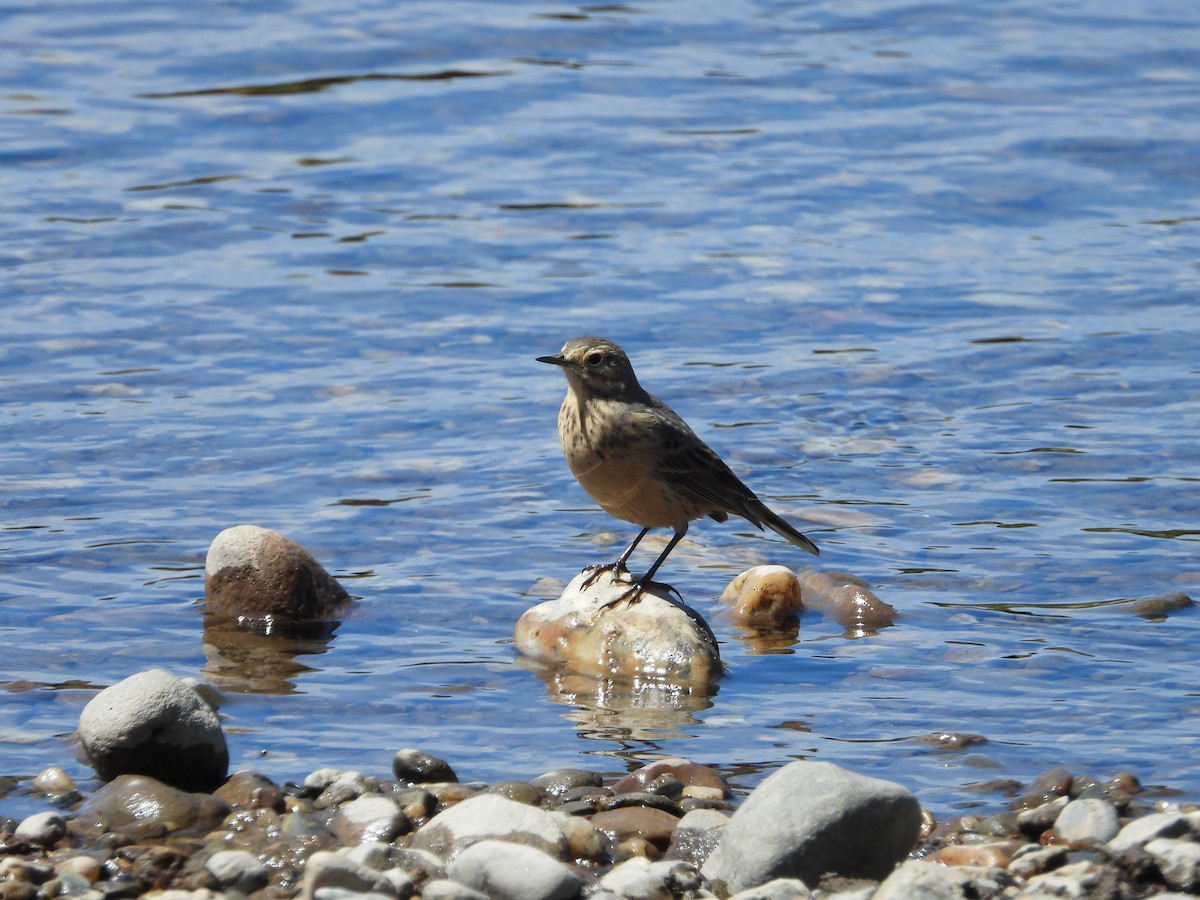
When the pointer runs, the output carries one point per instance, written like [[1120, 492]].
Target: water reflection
[[640, 710], [243, 661]]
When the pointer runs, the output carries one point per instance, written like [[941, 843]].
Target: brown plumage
[[639, 460]]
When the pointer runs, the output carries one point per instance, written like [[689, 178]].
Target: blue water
[[925, 274]]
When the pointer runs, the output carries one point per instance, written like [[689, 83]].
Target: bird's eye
[[594, 359]]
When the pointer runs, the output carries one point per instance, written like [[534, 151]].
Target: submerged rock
[[848, 600], [155, 724], [258, 576], [764, 597], [655, 638]]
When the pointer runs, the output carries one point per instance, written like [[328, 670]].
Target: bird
[[641, 462]]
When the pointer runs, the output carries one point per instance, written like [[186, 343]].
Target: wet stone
[[688, 773], [417, 767], [1033, 822], [370, 817], [44, 829], [145, 808], [696, 835], [562, 781], [652, 825], [646, 799], [518, 791]]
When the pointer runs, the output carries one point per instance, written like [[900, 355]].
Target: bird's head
[[598, 368]]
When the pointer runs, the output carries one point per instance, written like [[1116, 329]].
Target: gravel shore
[[419, 832]]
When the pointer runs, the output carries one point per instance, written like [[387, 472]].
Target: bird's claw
[[634, 594], [618, 569]]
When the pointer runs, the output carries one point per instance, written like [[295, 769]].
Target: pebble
[[336, 836], [1086, 822], [44, 829], [506, 871]]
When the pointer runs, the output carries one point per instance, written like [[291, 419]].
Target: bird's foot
[[618, 569], [634, 594]]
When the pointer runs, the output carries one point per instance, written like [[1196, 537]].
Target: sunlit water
[[925, 274]]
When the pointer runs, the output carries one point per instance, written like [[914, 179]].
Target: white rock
[[43, 829], [1179, 862], [1083, 821], [328, 871], [153, 723], [238, 870], [654, 638], [777, 889], [639, 879], [1076, 881], [445, 889], [506, 871], [487, 816], [368, 818], [1141, 831], [931, 881], [809, 818]]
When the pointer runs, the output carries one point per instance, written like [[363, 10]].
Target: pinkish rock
[[255, 575], [764, 597]]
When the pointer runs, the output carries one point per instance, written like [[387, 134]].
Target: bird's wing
[[695, 469]]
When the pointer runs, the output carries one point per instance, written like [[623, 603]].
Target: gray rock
[[429, 866], [256, 575], [44, 829], [654, 638], [1087, 821], [1041, 817], [417, 767], [327, 872], [697, 835], [507, 871], [639, 879], [1179, 862], [369, 818], [1034, 860], [155, 724], [487, 816], [1141, 831], [445, 889], [372, 854], [1077, 881], [931, 881], [778, 889], [809, 818], [237, 870], [144, 808]]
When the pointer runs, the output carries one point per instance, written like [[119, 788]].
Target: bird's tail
[[784, 530]]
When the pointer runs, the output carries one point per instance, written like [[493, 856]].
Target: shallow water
[[925, 274]]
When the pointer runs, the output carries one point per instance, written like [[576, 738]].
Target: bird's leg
[[634, 594], [618, 568]]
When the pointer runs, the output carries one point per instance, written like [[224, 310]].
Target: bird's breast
[[615, 461]]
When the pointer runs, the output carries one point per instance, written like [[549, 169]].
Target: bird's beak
[[553, 360]]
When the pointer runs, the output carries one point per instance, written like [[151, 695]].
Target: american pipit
[[640, 461]]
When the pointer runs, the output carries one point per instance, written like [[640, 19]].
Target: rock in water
[[654, 638], [155, 724], [810, 818], [256, 575]]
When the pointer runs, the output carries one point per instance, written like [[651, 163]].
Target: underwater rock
[[848, 600]]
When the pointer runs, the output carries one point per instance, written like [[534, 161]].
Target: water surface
[[925, 274]]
